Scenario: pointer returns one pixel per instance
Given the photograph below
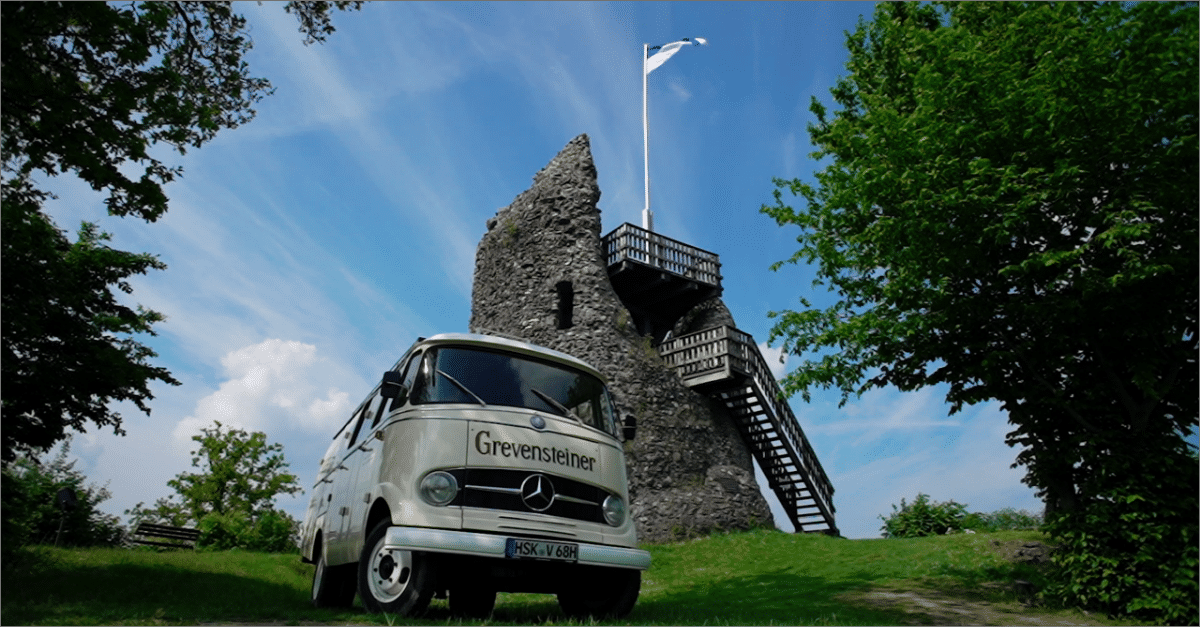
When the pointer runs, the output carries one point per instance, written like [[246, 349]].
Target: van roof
[[512, 345]]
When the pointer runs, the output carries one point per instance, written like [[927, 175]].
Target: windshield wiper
[[562, 409], [461, 387]]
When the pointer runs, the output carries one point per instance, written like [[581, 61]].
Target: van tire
[[604, 593], [472, 601], [393, 581], [333, 586]]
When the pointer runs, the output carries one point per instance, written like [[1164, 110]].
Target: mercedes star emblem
[[537, 492]]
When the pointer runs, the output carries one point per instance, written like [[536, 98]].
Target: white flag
[[669, 50]]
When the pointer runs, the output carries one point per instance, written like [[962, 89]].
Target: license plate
[[541, 550]]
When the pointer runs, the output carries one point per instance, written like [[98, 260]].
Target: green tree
[[1009, 209], [32, 513], [231, 498], [88, 88]]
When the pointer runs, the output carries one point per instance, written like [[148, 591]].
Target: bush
[[31, 513], [272, 531], [923, 517], [222, 531], [1132, 549], [1007, 519]]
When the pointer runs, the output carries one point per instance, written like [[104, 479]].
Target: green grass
[[759, 577]]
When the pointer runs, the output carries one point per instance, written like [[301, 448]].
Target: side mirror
[[392, 386], [630, 428]]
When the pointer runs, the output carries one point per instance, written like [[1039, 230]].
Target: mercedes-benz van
[[478, 464]]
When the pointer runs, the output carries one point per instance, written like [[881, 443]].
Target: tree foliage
[[231, 498], [33, 515], [89, 88], [1010, 210], [66, 347]]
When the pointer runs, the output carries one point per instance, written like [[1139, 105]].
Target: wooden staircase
[[725, 364], [659, 279]]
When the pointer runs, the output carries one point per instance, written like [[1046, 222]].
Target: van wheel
[[604, 593], [333, 586], [472, 602], [392, 580]]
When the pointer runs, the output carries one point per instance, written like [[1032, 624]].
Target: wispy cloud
[[776, 359], [790, 155], [680, 91], [359, 113], [879, 413]]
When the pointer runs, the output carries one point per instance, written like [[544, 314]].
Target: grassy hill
[[759, 577]]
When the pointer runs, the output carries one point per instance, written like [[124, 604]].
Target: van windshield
[[452, 374]]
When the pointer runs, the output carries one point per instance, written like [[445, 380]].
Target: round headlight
[[439, 488], [614, 510]]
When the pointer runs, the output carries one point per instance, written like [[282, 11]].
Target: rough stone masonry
[[540, 276]]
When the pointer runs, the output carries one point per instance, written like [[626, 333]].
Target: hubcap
[[386, 566], [389, 575]]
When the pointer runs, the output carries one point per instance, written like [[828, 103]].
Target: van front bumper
[[490, 545]]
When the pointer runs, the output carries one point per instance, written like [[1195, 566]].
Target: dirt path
[[933, 607], [963, 607]]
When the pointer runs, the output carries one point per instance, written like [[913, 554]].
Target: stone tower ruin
[[544, 274]]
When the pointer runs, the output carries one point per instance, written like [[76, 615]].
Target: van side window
[[380, 403], [358, 423]]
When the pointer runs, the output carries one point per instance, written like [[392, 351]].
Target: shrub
[[923, 517], [1132, 551], [272, 531], [221, 531], [31, 514], [1007, 519]]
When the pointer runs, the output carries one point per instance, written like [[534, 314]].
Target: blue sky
[[309, 248]]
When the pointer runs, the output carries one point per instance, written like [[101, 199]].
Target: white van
[[478, 464]]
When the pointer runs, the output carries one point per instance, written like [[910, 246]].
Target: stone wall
[[540, 277]]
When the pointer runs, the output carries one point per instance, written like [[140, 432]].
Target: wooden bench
[[182, 537]]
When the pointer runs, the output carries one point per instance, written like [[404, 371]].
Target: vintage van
[[478, 464]]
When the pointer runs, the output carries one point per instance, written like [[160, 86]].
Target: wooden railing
[[727, 354], [710, 354], [637, 244]]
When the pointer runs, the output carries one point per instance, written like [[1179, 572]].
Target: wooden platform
[[657, 278]]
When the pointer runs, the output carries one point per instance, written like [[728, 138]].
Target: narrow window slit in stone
[[566, 304]]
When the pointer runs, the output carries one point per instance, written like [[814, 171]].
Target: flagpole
[[647, 216]]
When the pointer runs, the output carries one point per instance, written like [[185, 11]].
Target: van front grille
[[498, 488]]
